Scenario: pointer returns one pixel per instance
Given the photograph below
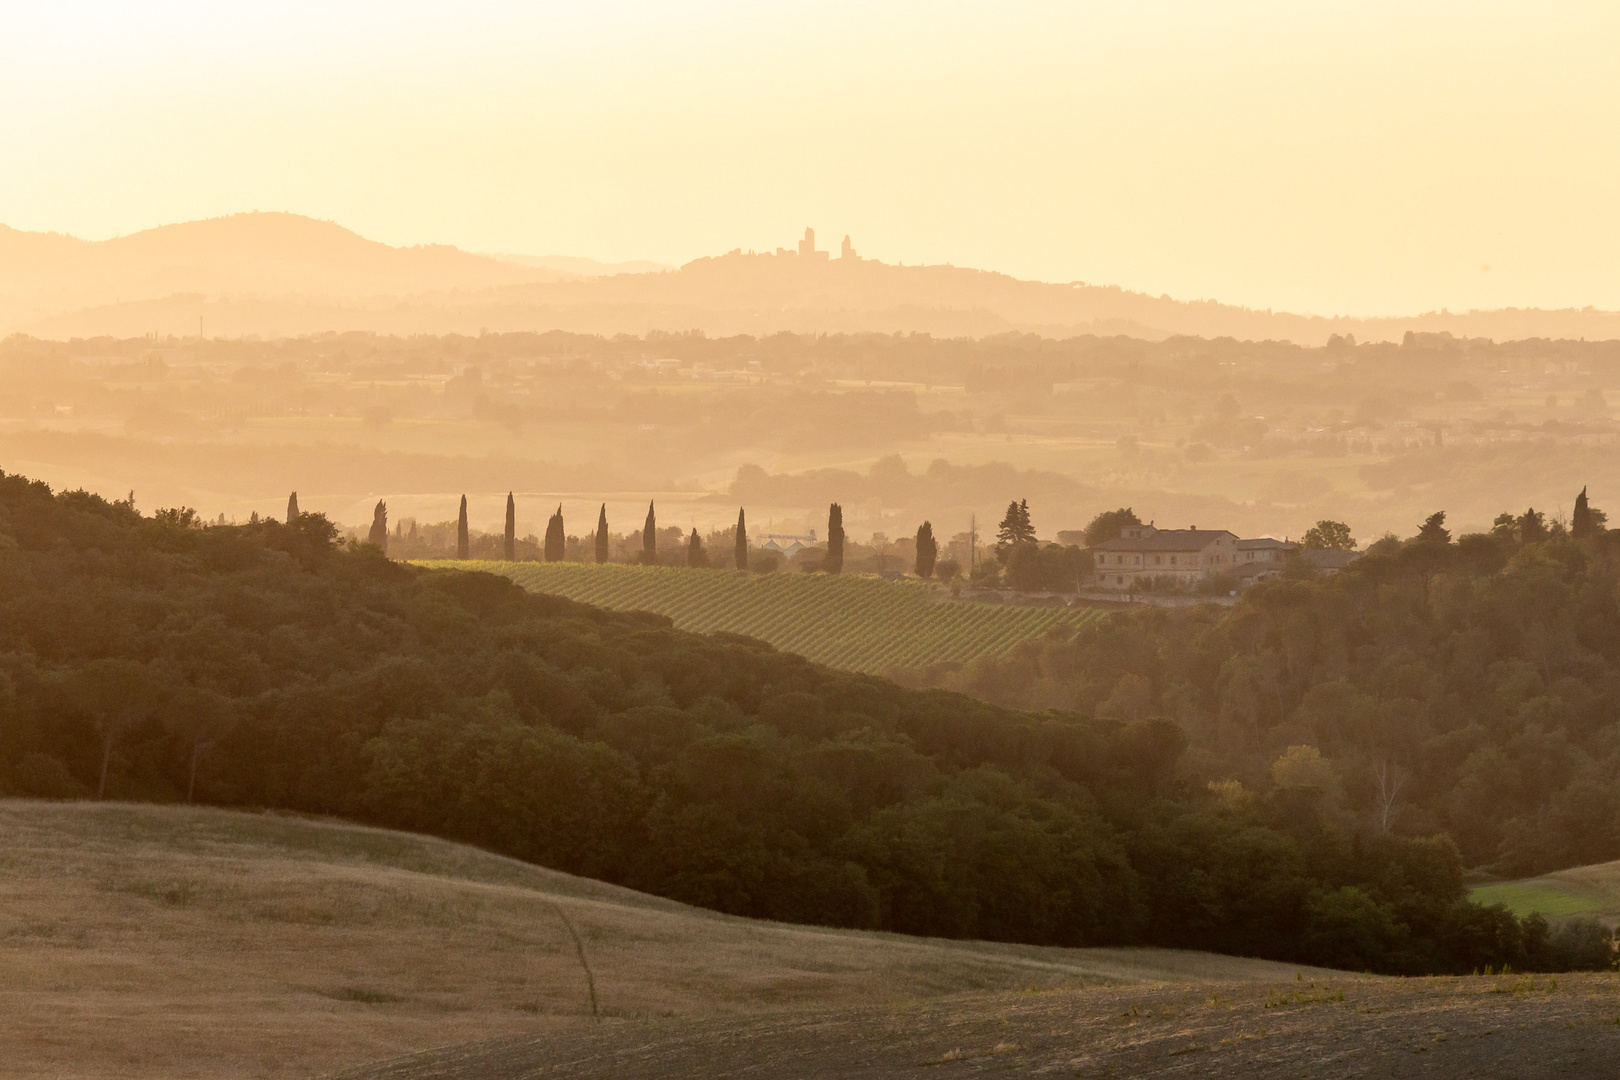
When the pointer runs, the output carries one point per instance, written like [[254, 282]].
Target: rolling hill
[[148, 941], [849, 621], [278, 273]]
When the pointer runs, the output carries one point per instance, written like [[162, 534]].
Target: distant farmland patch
[[847, 621]]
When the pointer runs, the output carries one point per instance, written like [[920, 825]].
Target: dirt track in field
[[1488, 1027]]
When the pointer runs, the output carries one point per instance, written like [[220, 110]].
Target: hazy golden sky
[[1353, 158]]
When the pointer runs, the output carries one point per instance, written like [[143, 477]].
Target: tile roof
[[1168, 540]]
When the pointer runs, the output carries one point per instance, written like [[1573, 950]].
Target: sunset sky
[[1367, 158]]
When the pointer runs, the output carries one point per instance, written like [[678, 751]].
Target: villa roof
[[1266, 543], [1167, 540]]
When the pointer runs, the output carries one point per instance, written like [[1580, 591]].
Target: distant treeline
[[265, 665]]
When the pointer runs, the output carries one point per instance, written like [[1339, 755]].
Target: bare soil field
[[1566, 1026], [158, 941]]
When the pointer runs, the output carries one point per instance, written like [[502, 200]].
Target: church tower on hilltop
[[847, 251], [807, 246]]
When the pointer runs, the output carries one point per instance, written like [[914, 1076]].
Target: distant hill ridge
[[280, 273]]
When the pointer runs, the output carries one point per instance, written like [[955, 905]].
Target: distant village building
[[1184, 557], [807, 247], [788, 545]]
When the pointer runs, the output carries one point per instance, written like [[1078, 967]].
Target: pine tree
[[292, 507], [741, 556], [511, 528], [649, 538], [463, 545], [556, 539], [379, 526], [601, 536], [1433, 530], [1015, 529], [1581, 523], [835, 539], [1026, 528], [927, 550], [696, 557]]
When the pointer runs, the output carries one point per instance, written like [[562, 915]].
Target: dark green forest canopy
[[1471, 688], [265, 666]]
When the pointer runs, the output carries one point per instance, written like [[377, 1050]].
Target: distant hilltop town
[[807, 249]]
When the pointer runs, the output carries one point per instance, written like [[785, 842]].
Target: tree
[[602, 536], [1532, 525], [462, 541], [556, 540], [741, 554], [927, 550], [1015, 529], [379, 526], [835, 539], [696, 557], [1505, 527], [649, 537], [1588, 519], [117, 694], [292, 507], [1433, 530], [1329, 536], [1109, 524], [511, 529]]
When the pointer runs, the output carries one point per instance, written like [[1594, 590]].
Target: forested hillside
[[1470, 687], [263, 665]]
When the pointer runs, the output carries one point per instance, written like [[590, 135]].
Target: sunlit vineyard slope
[[847, 621]]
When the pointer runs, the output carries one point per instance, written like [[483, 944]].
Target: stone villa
[[1185, 557]]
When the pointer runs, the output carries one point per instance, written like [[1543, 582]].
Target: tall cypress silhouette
[[601, 536], [379, 525], [741, 557], [556, 539], [1581, 522], [835, 539], [696, 557], [511, 528], [292, 508], [927, 550], [649, 538], [462, 544]]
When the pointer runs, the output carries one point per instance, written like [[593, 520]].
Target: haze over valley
[[718, 540]]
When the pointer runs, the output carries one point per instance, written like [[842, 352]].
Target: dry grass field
[[159, 941], [1492, 1028]]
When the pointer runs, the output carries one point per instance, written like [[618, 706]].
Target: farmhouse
[[1184, 557]]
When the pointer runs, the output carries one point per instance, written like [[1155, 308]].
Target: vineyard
[[847, 621]]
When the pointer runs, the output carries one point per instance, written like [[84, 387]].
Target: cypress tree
[[379, 526], [556, 540], [649, 538], [835, 539], [511, 528], [1581, 523], [601, 536], [462, 543], [292, 507], [696, 557], [741, 557], [927, 550]]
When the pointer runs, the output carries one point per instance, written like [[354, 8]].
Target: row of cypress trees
[[556, 540]]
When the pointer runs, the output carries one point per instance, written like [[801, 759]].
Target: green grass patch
[[1524, 897], [850, 621]]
